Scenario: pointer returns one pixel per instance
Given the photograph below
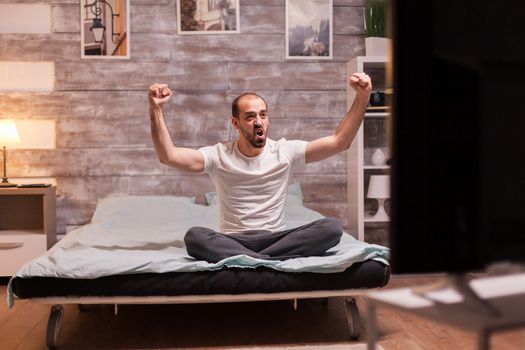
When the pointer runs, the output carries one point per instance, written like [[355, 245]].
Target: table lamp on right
[[8, 135], [379, 188]]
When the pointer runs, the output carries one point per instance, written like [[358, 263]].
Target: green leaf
[[375, 18]]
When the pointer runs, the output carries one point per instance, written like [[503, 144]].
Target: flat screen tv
[[458, 135]]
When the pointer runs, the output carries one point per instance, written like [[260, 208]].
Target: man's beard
[[254, 139]]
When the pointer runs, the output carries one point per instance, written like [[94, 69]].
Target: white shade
[[8, 132], [98, 34], [379, 186]]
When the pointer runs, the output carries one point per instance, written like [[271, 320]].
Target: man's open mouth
[[259, 137]]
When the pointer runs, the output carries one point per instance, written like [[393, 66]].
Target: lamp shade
[[98, 30], [8, 132], [379, 186]]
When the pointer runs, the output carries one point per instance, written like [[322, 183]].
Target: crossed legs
[[312, 239]]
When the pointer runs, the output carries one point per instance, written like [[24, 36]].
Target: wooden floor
[[231, 326]]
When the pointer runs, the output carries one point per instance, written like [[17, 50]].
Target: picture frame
[[105, 29], [208, 17], [309, 29]]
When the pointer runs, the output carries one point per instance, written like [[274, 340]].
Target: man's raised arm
[[179, 157], [341, 140]]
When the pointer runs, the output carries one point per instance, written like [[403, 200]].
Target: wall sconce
[[98, 29], [8, 135]]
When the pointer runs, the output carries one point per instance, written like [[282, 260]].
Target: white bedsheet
[[145, 234]]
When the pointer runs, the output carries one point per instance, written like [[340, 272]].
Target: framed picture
[[104, 29], [309, 29], [208, 16]]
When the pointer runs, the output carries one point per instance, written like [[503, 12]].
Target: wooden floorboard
[[231, 326], [404, 331]]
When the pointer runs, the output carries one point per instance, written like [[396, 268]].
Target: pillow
[[295, 195], [141, 210], [211, 198]]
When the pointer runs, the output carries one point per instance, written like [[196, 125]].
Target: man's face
[[253, 120]]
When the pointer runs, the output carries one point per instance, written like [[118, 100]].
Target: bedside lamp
[[8, 135], [379, 188]]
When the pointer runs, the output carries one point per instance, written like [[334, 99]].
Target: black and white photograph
[[208, 16], [309, 29]]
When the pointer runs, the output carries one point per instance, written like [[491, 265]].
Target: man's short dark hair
[[235, 103]]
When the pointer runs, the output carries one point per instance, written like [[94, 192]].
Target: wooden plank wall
[[101, 112]]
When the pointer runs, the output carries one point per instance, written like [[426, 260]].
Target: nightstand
[[27, 225]]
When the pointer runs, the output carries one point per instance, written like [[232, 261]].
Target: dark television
[[458, 135]]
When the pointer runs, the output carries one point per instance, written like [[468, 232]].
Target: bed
[[132, 252]]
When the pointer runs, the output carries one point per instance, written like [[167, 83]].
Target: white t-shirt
[[252, 190]]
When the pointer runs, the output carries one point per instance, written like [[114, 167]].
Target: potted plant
[[376, 43]]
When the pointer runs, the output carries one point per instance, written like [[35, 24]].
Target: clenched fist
[[362, 84], [158, 94]]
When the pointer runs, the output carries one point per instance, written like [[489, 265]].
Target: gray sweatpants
[[312, 239]]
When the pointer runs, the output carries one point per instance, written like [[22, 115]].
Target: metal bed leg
[[484, 340], [353, 319], [371, 328], [53, 326]]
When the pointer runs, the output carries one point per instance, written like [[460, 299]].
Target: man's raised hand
[[361, 83], [158, 94]]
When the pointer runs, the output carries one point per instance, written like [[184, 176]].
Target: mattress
[[368, 274]]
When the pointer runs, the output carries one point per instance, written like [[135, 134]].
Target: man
[[251, 176]]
